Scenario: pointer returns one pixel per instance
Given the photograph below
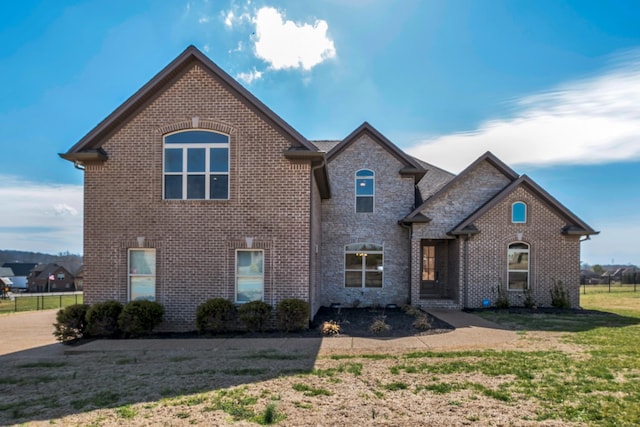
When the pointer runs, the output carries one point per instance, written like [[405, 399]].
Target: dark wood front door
[[433, 278]]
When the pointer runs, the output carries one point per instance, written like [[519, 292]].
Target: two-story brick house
[[194, 189]]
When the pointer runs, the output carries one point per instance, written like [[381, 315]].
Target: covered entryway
[[434, 277]]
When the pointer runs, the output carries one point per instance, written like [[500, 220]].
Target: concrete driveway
[[30, 333]]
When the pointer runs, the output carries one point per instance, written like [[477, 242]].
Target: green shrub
[[559, 296], [102, 319], [140, 317], [529, 302], [502, 301], [215, 315], [71, 323], [255, 315], [292, 314]]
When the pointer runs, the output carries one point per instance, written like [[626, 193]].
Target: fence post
[[609, 283]]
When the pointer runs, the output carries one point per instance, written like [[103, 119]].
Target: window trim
[[131, 274], [237, 275], [513, 212], [371, 177], [207, 173], [528, 270], [363, 251]]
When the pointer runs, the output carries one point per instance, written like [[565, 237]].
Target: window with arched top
[[196, 165], [518, 266], [365, 190], [363, 265], [519, 212]]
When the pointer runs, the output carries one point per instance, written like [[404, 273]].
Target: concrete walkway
[[29, 334]]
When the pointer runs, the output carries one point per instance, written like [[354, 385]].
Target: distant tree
[[598, 269]]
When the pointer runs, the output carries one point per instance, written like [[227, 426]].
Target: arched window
[[363, 265], [365, 190], [518, 266], [519, 212], [196, 165]]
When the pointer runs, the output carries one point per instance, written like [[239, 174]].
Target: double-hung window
[[249, 275], [518, 266], [142, 274], [365, 190], [196, 165], [363, 265]]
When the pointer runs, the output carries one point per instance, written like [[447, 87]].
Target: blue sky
[[551, 87]]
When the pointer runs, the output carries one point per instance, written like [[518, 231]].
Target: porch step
[[440, 304]]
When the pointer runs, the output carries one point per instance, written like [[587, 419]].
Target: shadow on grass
[[555, 319]]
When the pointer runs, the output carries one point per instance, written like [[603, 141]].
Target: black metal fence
[[627, 281], [44, 301]]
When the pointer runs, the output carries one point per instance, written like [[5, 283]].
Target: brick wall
[[341, 225], [196, 240]]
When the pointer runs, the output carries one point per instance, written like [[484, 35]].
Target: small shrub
[[379, 325], [140, 317], [330, 328], [215, 315], [559, 296], [503, 301], [422, 323], [411, 310], [255, 315], [292, 314], [529, 302], [102, 319], [71, 323]]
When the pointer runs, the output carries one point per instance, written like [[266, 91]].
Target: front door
[[433, 269]]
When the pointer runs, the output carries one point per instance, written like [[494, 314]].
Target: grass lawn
[[567, 369], [25, 302]]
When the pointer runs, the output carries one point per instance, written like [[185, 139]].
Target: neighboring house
[[194, 189], [20, 272], [50, 278], [78, 279]]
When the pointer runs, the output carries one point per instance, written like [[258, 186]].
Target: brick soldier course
[[295, 202]]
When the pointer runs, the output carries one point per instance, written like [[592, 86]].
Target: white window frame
[[238, 275], [363, 253], [513, 205], [134, 274], [528, 270], [207, 172], [371, 177]]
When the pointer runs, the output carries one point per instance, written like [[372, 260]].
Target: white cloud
[[286, 44], [250, 76], [593, 120], [229, 18], [40, 217]]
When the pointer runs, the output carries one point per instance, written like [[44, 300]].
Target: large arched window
[[519, 212], [365, 190], [518, 266], [196, 165], [363, 265]]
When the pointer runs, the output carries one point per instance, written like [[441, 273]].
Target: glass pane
[[363, 247], [353, 279], [219, 187], [364, 172], [142, 262], [352, 262], [374, 262], [196, 136], [250, 263], [364, 187], [520, 246], [195, 159], [173, 187], [173, 160], [364, 204], [219, 158], [518, 280], [373, 279], [518, 260], [195, 187], [143, 287], [519, 212], [249, 289]]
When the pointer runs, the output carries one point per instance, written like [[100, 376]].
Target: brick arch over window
[[198, 123]]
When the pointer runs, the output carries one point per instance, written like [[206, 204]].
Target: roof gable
[[488, 157], [87, 148], [574, 224], [411, 166]]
